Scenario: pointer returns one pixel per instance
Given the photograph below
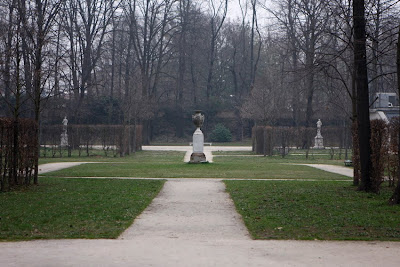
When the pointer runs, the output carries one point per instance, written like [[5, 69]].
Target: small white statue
[[319, 140], [64, 135], [319, 124], [65, 124], [65, 121]]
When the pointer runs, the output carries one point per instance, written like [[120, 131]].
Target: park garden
[[130, 73], [278, 198]]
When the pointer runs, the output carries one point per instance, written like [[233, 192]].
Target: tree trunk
[[363, 122], [356, 155]]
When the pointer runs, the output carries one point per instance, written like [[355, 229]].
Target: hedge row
[[265, 138], [114, 139], [18, 152]]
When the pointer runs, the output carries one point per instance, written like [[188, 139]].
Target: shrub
[[379, 148], [221, 134], [18, 152], [392, 159]]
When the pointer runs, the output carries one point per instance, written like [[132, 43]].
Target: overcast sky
[[234, 11]]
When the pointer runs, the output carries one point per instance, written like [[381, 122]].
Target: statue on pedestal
[[319, 140], [64, 134], [198, 139]]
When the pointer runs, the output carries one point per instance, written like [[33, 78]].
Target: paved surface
[[191, 209], [180, 252], [192, 222], [333, 168], [51, 167]]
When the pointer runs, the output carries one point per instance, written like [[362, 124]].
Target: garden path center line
[[190, 209]]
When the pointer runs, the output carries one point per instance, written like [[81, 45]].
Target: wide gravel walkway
[[191, 209]]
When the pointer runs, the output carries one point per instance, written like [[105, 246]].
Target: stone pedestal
[[319, 142], [198, 147], [64, 139], [198, 140]]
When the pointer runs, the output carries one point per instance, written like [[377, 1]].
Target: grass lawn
[[314, 210], [74, 208], [297, 156], [95, 155], [233, 143], [170, 165]]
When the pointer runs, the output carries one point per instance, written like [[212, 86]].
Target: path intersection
[[193, 222]]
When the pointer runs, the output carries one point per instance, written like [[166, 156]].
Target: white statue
[[64, 135], [319, 124], [319, 140], [65, 121], [65, 124]]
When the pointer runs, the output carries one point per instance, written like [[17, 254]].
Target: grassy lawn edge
[[325, 210], [62, 208]]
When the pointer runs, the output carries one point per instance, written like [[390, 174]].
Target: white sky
[[234, 11]]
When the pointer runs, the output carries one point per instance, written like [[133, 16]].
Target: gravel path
[[51, 167], [191, 209], [333, 168], [177, 252]]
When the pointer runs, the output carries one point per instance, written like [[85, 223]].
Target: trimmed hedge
[[115, 139], [18, 152]]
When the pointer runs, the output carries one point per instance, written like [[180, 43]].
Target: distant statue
[[65, 124], [64, 135], [319, 124], [319, 140]]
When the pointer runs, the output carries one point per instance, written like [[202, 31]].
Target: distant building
[[385, 106]]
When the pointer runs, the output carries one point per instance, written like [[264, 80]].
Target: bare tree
[[150, 32], [305, 23], [35, 36], [8, 51], [218, 11], [87, 23]]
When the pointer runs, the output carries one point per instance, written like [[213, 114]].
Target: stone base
[[319, 142], [64, 139], [198, 158]]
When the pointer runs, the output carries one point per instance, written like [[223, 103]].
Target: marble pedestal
[[319, 142], [64, 139], [198, 148]]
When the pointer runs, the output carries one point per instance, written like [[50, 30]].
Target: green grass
[[94, 155], [235, 153], [314, 210], [233, 143], [297, 156], [74, 208], [170, 165]]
